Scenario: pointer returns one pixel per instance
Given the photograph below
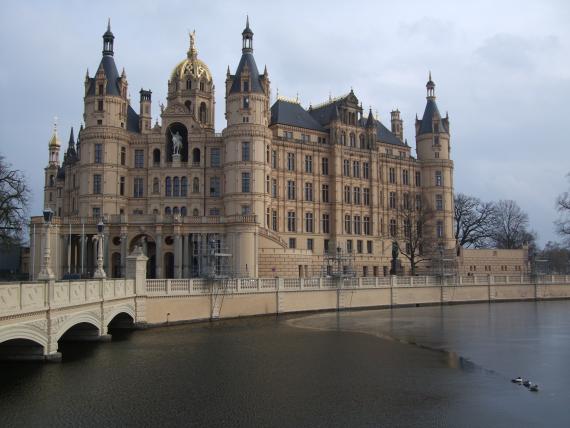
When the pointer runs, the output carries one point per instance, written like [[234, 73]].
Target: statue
[[176, 143], [394, 263]]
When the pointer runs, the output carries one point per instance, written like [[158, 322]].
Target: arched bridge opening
[[21, 350], [81, 332]]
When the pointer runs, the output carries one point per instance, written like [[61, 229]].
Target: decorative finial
[[429, 76], [297, 97], [277, 95], [55, 125], [192, 52], [109, 24], [246, 21]]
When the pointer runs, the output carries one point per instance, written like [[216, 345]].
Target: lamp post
[[45, 269], [100, 272]]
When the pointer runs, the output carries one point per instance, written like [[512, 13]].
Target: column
[[106, 238], [185, 256], [158, 258], [177, 255], [124, 242]]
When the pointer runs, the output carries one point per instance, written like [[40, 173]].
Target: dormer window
[[246, 102], [436, 140], [436, 127], [246, 85], [100, 89]]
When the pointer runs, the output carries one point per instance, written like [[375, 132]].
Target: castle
[[279, 192]]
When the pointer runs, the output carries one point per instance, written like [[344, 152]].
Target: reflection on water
[[418, 367]]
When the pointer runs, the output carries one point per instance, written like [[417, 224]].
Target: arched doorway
[[169, 265]]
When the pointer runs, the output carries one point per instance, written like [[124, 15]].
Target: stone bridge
[[36, 316]]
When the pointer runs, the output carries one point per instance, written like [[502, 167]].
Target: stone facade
[[278, 189]]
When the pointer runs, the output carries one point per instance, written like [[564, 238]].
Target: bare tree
[[510, 228], [14, 199], [474, 221], [563, 223], [416, 218]]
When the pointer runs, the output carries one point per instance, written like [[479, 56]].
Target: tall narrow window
[[195, 185], [291, 221], [365, 170], [291, 161], [309, 222], [245, 184], [274, 220], [346, 168], [123, 155], [97, 183], [122, 186], [215, 157], [139, 158], [245, 154], [155, 185], [215, 186], [439, 229], [176, 191], [418, 179], [308, 191], [246, 102], [273, 187], [347, 194], [438, 179], [325, 193], [183, 186], [308, 164], [138, 187], [274, 159], [290, 190], [168, 186], [347, 224], [366, 196], [98, 153], [325, 166], [405, 177], [392, 175], [439, 202], [326, 226]]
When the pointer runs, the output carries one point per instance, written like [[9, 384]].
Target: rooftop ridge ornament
[[331, 100], [288, 99]]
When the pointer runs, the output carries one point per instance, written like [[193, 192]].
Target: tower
[[397, 125], [145, 117], [51, 171], [433, 151], [247, 140]]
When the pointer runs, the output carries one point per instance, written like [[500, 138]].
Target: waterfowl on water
[[534, 388], [527, 383], [517, 380]]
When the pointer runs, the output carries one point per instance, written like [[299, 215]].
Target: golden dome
[[54, 140], [191, 67]]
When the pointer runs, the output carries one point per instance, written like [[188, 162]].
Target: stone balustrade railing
[[26, 297], [197, 286]]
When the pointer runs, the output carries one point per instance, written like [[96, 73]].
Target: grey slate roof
[[247, 59], [386, 136], [288, 113], [112, 75], [325, 114], [132, 120], [430, 113]]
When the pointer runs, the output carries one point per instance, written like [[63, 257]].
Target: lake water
[[433, 366]]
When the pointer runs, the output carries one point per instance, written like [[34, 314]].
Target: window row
[[346, 170], [357, 225]]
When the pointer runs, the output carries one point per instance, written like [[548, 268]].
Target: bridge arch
[[84, 318], [127, 310], [24, 332]]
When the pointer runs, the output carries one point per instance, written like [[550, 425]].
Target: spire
[[108, 38], [192, 51], [370, 122], [430, 86], [71, 143], [247, 38]]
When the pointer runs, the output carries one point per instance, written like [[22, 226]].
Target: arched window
[[155, 186], [176, 190], [51, 180], [352, 140], [156, 156], [167, 211], [168, 186], [183, 211], [362, 142], [195, 212], [196, 156], [188, 105], [195, 185], [202, 111], [155, 211], [343, 138], [183, 186], [175, 211], [188, 84]]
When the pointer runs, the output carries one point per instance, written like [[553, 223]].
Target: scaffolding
[[210, 257], [338, 264]]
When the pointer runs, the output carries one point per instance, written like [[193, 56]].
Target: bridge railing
[[25, 297]]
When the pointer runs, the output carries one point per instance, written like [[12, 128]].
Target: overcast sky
[[501, 68]]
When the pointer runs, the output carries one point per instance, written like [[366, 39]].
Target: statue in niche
[[176, 143]]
